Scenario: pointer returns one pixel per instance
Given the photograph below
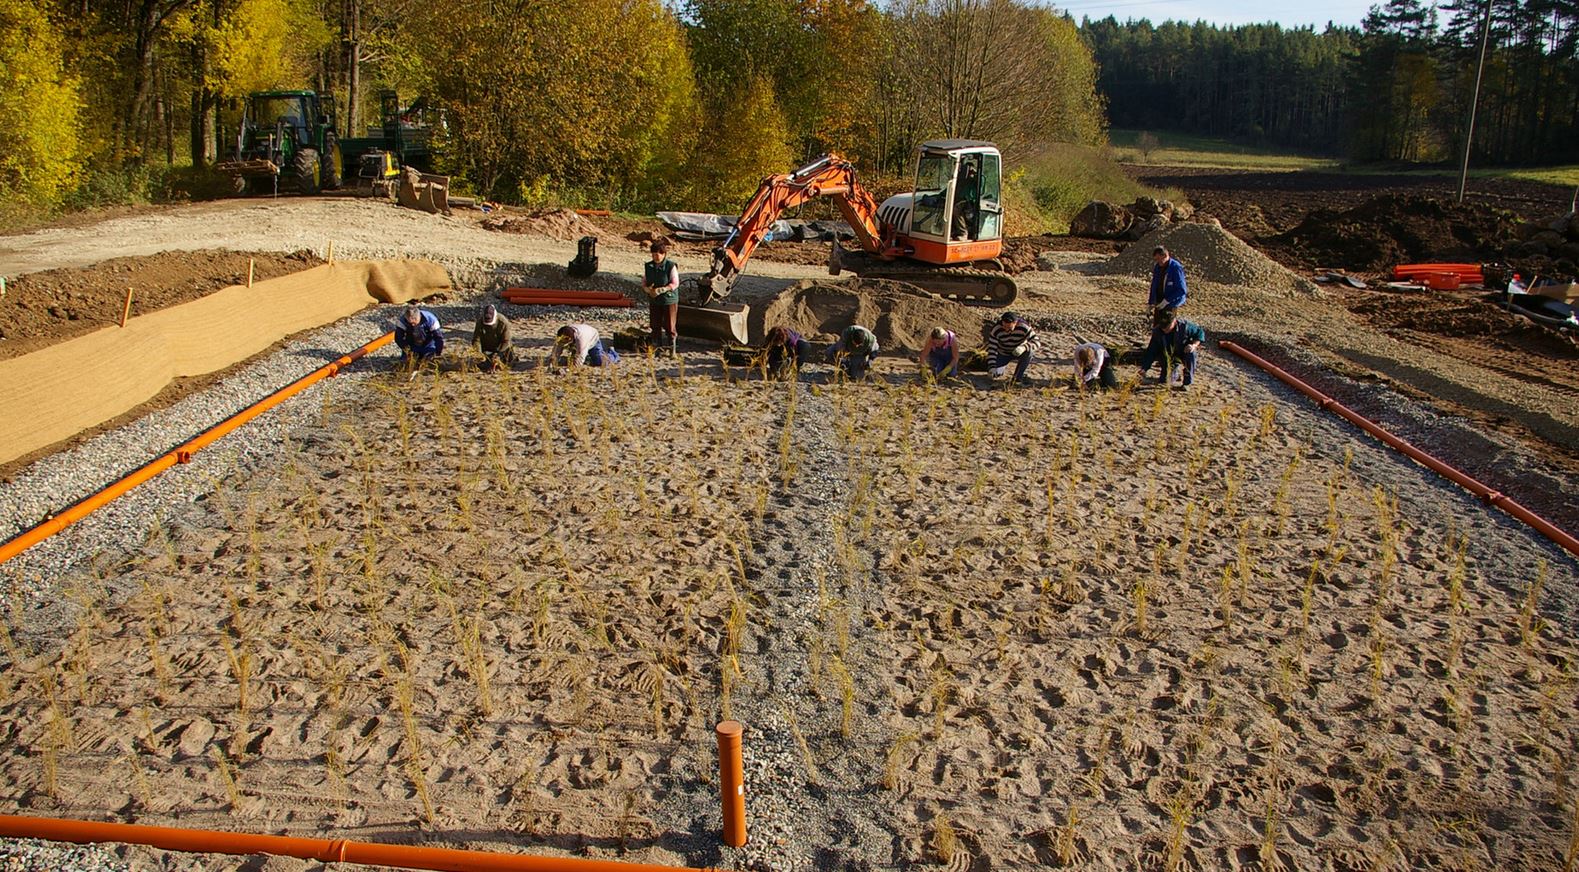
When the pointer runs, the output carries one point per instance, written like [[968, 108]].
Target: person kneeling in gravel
[[1094, 367], [1011, 340], [786, 352], [855, 351], [1174, 340], [940, 353], [491, 336], [581, 347], [418, 334]]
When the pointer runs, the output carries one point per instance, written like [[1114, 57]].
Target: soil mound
[[1209, 253], [563, 224], [899, 314], [47, 307], [1392, 229]]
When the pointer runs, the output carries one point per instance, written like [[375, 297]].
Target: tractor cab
[[286, 133], [955, 214]]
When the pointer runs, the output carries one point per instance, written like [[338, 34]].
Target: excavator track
[[976, 287]]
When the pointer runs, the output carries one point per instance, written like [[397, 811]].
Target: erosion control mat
[[57, 392], [900, 316]]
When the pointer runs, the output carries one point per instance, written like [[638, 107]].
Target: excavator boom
[[827, 176]]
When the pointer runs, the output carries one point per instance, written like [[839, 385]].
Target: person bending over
[[786, 351], [855, 351], [491, 336], [580, 345], [940, 353], [1094, 367], [1173, 340], [418, 334]]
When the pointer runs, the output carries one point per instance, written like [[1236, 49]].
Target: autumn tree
[[40, 149], [545, 98]]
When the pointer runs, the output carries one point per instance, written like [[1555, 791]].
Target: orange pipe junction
[[1484, 493], [322, 850], [180, 454]]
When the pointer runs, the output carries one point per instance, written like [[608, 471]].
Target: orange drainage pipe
[[322, 850], [1485, 494], [732, 782], [180, 454]]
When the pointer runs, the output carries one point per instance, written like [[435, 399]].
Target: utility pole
[[1474, 102]]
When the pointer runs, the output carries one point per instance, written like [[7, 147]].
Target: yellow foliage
[[746, 140], [264, 45], [40, 106]]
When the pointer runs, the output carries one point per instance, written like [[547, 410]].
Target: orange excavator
[[943, 237]]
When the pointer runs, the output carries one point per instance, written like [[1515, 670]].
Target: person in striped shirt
[[1011, 341]]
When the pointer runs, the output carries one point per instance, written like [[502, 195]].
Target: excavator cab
[[956, 211]]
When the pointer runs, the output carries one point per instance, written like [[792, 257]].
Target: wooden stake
[[127, 310], [252, 264], [331, 251]]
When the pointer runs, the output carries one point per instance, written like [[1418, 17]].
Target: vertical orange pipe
[[181, 454], [732, 782], [126, 311]]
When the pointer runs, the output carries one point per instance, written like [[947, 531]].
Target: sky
[[1289, 13]]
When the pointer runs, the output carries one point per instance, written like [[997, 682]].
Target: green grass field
[[1189, 150]]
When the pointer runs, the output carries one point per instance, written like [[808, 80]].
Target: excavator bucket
[[424, 191], [720, 322]]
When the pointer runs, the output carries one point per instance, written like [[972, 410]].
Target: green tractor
[[290, 134]]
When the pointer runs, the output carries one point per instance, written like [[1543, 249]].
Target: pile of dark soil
[[43, 308], [1391, 229]]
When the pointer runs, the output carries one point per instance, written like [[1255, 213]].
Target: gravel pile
[[32, 855], [1212, 254]]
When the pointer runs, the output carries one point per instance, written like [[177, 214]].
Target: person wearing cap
[[661, 281], [786, 352], [1167, 281], [1011, 340], [1174, 340], [580, 346], [418, 334], [940, 353], [491, 336], [1094, 367], [855, 351]]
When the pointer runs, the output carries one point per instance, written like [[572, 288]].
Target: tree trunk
[[353, 99]]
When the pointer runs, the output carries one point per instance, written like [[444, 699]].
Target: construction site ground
[[1016, 705]]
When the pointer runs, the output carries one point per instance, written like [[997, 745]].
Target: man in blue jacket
[[418, 334], [1174, 340], [1167, 281]]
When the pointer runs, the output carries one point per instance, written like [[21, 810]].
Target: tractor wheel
[[333, 169], [306, 168]]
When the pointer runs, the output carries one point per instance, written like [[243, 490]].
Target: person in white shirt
[[1094, 367], [580, 345]]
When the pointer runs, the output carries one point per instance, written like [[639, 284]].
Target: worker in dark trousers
[[661, 281], [1167, 281], [419, 335], [1094, 367], [491, 336], [855, 351], [786, 352], [1174, 340], [1011, 340]]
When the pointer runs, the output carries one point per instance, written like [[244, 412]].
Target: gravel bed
[[33, 855]]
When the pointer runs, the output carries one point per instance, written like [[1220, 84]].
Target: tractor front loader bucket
[[424, 191], [720, 322]]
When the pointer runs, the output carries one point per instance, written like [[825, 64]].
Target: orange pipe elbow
[[1459, 477], [322, 850]]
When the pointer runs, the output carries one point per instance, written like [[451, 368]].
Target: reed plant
[[893, 760], [846, 683], [227, 777], [945, 841], [1530, 622]]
